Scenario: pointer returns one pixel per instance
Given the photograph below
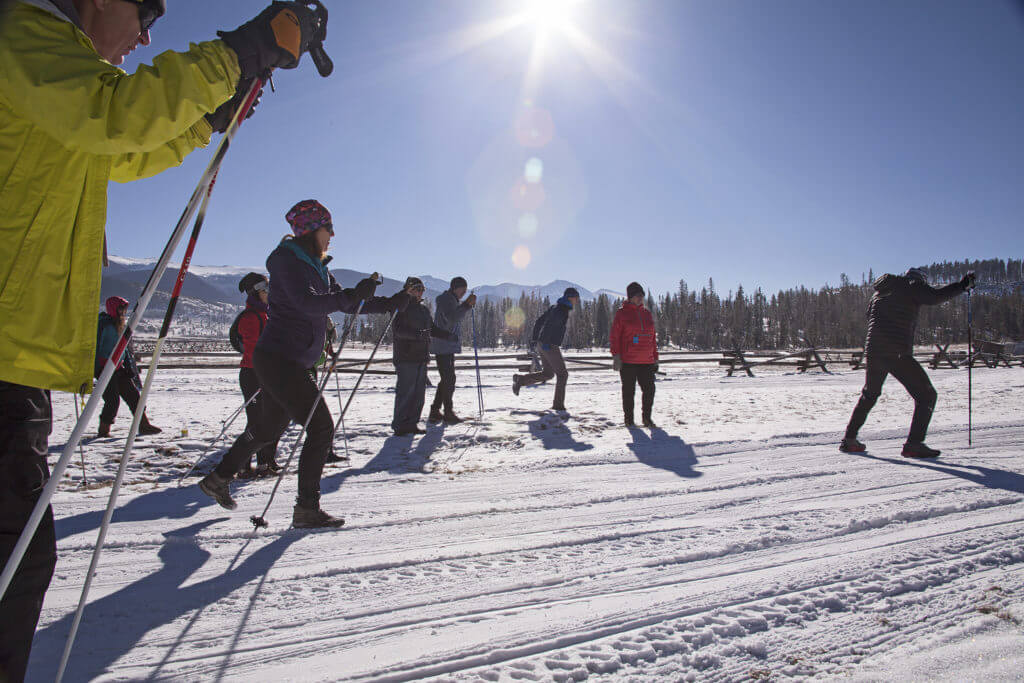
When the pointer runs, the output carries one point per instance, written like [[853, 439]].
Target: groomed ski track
[[528, 548]]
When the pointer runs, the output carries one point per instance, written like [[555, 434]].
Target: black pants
[[410, 394], [288, 394], [914, 379], [553, 366], [24, 436], [122, 385], [254, 413], [443, 398], [631, 374]]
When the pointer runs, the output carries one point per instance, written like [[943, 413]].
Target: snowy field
[[734, 543]]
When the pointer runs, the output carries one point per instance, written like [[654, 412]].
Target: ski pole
[[367, 366], [81, 451], [227, 423], [970, 367], [261, 520], [140, 410], [344, 435], [202, 189], [476, 356]]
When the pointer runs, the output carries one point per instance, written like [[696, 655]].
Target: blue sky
[[771, 144]]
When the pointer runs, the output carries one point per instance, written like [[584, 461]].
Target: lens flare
[[534, 127], [534, 170], [528, 225], [526, 196], [521, 257], [515, 318]]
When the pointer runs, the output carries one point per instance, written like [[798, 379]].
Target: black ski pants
[[288, 394], [410, 395], [444, 396], [250, 384], [631, 374], [553, 365], [24, 439], [122, 385], [914, 379]]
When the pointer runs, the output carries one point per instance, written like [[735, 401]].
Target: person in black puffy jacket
[[889, 349]]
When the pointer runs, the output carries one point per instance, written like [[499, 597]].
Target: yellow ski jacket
[[69, 123]]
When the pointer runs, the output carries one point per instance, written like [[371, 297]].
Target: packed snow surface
[[733, 543]]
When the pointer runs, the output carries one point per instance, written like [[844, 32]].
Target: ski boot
[[104, 430], [435, 416], [247, 472], [851, 445], [450, 418], [628, 421], [333, 458], [147, 429], [917, 449], [216, 487], [314, 518], [649, 423]]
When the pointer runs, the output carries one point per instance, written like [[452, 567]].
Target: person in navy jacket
[[634, 346], [302, 294], [548, 333]]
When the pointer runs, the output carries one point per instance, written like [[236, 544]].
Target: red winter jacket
[[250, 325], [633, 335]]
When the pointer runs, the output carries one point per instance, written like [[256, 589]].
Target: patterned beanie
[[307, 216]]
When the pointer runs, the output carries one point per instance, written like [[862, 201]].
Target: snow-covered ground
[[734, 543]]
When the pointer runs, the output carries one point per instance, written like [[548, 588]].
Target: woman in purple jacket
[[302, 294]]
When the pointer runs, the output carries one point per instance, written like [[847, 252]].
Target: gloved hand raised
[[969, 281], [365, 289], [221, 118], [617, 362], [470, 300], [277, 37], [399, 301]]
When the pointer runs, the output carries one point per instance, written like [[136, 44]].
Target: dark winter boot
[[104, 431], [628, 421], [333, 457], [435, 415], [450, 418], [146, 429], [314, 518], [559, 408], [649, 423], [516, 384], [919, 450], [851, 445], [247, 472], [216, 487]]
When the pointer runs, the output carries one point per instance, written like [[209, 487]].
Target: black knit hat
[[247, 283], [571, 293], [634, 289], [459, 281], [412, 281]]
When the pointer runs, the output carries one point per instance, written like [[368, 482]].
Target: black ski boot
[[918, 449], [435, 416], [216, 487], [629, 422], [147, 429], [450, 418], [104, 430], [314, 518], [851, 445], [649, 423]]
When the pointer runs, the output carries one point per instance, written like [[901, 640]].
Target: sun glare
[[548, 14]]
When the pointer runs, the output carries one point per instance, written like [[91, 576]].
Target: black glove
[[968, 281], [277, 37], [365, 289], [656, 366], [399, 301], [221, 119]]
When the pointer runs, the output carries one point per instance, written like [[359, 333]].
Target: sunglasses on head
[[149, 12], [261, 286]]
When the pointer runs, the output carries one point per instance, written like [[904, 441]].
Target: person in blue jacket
[[548, 333], [302, 294], [448, 315], [125, 384]]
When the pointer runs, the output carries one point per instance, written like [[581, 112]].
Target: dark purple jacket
[[302, 294]]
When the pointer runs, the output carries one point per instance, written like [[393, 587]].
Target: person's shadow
[[988, 477], [394, 457], [554, 434], [112, 625], [664, 452], [165, 503]]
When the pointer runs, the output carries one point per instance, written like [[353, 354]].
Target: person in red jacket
[[634, 344], [251, 322]]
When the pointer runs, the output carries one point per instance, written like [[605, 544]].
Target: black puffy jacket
[[550, 326], [413, 329], [892, 313]]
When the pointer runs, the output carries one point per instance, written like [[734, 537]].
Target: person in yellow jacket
[[70, 121]]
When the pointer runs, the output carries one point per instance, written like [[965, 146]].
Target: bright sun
[[551, 13]]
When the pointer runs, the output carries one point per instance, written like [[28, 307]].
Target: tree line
[[703, 319]]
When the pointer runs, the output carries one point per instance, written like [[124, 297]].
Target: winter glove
[[617, 363], [365, 289], [969, 281], [470, 301], [220, 119], [399, 301], [656, 366], [277, 37]]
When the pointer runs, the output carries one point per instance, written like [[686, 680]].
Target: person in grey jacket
[[448, 315]]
